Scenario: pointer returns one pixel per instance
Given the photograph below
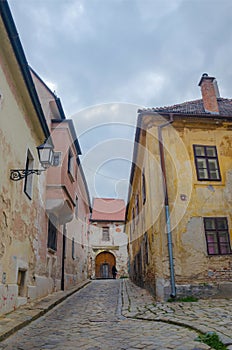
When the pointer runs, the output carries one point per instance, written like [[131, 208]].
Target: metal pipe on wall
[[167, 211]]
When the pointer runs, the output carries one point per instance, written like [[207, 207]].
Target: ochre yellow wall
[[189, 199], [191, 258]]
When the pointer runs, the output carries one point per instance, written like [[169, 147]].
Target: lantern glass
[[45, 152]]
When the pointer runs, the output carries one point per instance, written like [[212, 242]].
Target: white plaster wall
[[117, 245]]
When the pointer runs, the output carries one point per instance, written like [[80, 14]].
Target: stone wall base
[[205, 290], [8, 297], [200, 291]]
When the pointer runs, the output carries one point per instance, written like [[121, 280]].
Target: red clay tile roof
[[108, 209], [194, 107]]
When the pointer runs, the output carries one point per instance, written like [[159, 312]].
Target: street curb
[[32, 311]]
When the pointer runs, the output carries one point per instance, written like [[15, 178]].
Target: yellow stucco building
[[178, 217]]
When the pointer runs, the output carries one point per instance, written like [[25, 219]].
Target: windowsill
[[204, 183], [52, 251], [218, 255]]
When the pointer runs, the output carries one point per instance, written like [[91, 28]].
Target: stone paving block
[[95, 314]]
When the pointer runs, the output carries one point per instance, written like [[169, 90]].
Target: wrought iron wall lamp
[[45, 153]]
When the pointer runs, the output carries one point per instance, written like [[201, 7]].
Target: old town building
[[178, 217], [67, 199], [23, 127], [108, 240], [45, 214]]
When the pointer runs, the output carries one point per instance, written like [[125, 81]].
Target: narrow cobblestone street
[[92, 319]]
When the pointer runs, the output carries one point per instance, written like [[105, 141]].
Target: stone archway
[[103, 265]]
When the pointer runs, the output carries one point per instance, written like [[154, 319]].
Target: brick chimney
[[210, 93]]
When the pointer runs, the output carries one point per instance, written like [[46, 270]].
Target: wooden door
[[103, 265]]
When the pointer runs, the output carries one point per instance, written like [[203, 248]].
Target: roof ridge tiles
[[192, 107]]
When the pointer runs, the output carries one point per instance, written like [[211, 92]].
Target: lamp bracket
[[19, 174]]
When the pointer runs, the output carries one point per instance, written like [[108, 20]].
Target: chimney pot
[[210, 93]]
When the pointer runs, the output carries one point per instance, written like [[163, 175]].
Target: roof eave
[[186, 115]]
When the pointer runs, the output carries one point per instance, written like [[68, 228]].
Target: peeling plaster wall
[[76, 262], [20, 223], [190, 201]]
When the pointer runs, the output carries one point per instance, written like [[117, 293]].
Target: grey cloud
[[144, 52], [95, 52]]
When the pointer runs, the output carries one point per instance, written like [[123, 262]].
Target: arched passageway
[[103, 265]]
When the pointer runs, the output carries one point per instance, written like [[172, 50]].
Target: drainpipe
[[167, 211], [63, 257]]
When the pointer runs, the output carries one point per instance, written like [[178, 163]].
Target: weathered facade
[[44, 218], [178, 217], [108, 241], [67, 202], [22, 128]]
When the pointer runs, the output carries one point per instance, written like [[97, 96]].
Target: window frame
[[144, 194], [105, 234], [130, 231], [71, 164], [137, 208], [57, 159], [76, 207], [73, 248], [217, 231], [52, 233], [133, 219], [207, 159], [146, 249]]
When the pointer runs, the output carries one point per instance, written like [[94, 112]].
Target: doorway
[[103, 265], [21, 282]]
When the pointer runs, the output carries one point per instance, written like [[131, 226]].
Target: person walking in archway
[[114, 271]]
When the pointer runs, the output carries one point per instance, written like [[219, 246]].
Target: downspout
[[63, 258], [167, 211]]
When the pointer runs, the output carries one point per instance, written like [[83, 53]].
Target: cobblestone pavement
[[213, 315], [91, 319]]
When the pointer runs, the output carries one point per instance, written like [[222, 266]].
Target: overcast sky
[[104, 58]]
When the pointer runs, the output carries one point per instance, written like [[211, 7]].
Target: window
[[52, 232], [73, 248], [143, 188], [71, 163], [217, 236], [57, 159], [206, 161], [133, 219], [105, 234], [29, 178], [76, 207], [130, 233], [145, 249], [137, 208]]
